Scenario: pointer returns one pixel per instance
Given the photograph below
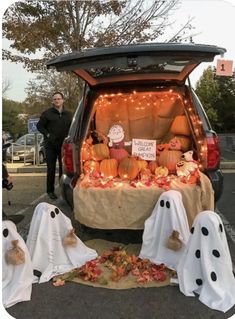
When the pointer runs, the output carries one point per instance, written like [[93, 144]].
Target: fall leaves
[[120, 264]]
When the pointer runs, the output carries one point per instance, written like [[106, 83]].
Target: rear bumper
[[21, 158], [217, 180]]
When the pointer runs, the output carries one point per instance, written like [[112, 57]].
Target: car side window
[[20, 141], [29, 140]]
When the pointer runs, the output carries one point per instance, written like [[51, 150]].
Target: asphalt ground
[[85, 302]]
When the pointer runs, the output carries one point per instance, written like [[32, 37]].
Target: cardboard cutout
[[116, 136], [206, 267], [50, 256], [168, 215], [17, 279]]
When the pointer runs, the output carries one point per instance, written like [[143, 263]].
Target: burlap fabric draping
[[147, 117], [125, 282], [128, 208]]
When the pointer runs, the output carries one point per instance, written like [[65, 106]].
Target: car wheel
[[41, 158]]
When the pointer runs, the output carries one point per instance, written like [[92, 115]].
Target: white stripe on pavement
[[33, 202], [229, 230]]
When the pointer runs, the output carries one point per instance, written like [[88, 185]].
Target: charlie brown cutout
[[224, 67], [116, 137]]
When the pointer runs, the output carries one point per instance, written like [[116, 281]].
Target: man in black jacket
[[54, 124]]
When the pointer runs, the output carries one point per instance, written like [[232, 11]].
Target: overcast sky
[[214, 21]]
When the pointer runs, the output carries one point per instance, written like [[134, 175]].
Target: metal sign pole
[[36, 153], [24, 149], [32, 129], [12, 152]]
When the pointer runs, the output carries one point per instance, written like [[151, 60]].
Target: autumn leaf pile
[[120, 264]]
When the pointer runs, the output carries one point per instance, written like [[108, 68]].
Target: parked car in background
[[136, 85], [24, 150]]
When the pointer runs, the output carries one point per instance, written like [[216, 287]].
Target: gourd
[[108, 167], [161, 171], [128, 168], [99, 151]]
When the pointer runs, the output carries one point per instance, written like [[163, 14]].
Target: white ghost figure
[[168, 215], [49, 227], [206, 267], [17, 279]]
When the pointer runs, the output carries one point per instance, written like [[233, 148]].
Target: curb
[[227, 165], [27, 170]]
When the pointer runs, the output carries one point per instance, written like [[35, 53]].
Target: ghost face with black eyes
[[54, 212], [168, 215], [49, 227], [163, 203], [206, 267], [47, 230]]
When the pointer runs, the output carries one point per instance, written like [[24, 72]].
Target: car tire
[[41, 158]]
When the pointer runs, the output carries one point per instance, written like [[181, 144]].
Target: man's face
[[57, 100]]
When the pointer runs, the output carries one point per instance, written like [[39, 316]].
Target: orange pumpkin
[[142, 164], [91, 166], [174, 144], [118, 153], [185, 142], [169, 159], [108, 167], [128, 168], [99, 151], [85, 152], [161, 147], [152, 166], [180, 125]]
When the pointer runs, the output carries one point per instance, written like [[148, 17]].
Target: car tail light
[[67, 158], [213, 152]]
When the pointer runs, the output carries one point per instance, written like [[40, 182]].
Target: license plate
[[16, 158]]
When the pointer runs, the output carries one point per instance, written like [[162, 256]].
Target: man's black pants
[[52, 154]]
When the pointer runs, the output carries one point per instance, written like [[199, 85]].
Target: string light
[[146, 99]]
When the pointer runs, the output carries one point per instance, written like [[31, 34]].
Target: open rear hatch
[[162, 62]]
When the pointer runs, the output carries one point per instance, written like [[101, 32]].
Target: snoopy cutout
[[50, 257], [17, 279], [168, 215], [206, 268]]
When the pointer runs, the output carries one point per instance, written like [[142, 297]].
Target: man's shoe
[[52, 195]]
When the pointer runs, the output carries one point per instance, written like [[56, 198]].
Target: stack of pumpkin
[[101, 162]]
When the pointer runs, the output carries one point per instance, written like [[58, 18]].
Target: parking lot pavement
[[80, 301]]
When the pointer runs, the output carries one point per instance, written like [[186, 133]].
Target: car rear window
[[145, 66]]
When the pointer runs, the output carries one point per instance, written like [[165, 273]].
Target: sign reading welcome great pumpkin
[[145, 149]]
